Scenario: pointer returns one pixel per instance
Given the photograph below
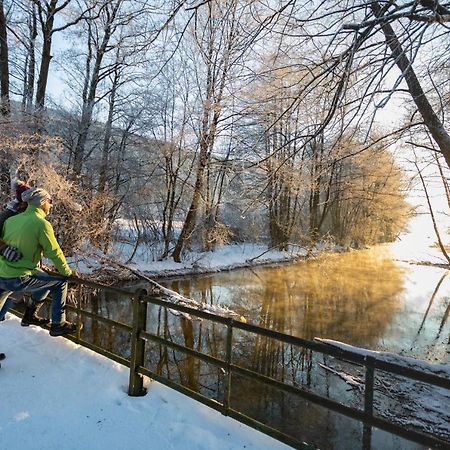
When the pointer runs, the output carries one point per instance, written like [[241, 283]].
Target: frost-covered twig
[[353, 381], [274, 247]]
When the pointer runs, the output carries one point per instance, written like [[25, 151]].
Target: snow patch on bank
[[224, 258]]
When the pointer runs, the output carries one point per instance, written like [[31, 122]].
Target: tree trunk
[[430, 118], [174, 160], [30, 63], [47, 31], [107, 139], [316, 182], [5, 106], [212, 106], [189, 223], [85, 124]]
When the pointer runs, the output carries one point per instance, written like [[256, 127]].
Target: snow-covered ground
[[55, 394]]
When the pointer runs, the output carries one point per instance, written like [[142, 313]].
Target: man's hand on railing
[[52, 271], [11, 253]]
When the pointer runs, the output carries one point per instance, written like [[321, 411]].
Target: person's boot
[[60, 329], [2, 357], [31, 317]]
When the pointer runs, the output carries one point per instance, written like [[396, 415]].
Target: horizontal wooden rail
[[92, 315], [186, 350], [342, 354]]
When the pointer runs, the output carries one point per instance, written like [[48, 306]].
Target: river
[[366, 298]]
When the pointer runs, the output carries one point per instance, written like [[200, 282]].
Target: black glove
[[11, 254]]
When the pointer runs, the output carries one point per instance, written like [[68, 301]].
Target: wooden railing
[[138, 370]]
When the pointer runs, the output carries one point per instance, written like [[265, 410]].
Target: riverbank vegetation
[[183, 126]]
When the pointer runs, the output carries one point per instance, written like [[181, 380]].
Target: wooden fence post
[[227, 387], [136, 384], [79, 300], [368, 401]]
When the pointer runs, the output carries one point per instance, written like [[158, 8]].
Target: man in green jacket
[[34, 237]]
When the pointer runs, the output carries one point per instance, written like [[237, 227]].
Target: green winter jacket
[[33, 235]]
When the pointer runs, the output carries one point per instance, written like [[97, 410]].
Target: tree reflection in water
[[350, 297]]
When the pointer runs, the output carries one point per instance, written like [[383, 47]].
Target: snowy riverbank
[[414, 246], [224, 258]]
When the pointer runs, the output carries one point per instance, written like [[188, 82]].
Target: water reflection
[[350, 297], [361, 298]]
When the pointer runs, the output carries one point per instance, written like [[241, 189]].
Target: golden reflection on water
[[349, 297]]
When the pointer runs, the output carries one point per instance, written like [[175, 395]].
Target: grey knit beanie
[[35, 196]]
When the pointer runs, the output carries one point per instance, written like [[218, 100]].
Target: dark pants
[[40, 284]]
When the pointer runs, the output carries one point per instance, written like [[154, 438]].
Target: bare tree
[[47, 11], [5, 107], [217, 44], [98, 46]]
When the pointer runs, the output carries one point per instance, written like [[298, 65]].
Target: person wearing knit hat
[[34, 237], [35, 196], [17, 204], [14, 207], [20, 187]]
